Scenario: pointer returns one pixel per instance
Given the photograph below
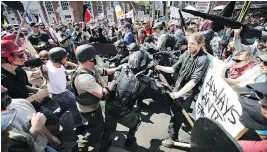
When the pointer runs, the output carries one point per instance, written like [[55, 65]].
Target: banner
[[130, 14], [174, 15], [118, 9], [218, 101], [203, 6], [158, 5]]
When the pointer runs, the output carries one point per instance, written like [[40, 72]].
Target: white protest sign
[[218, 101], [158, 5], [146, 17], [140, 13], [174, 12], [203, 6]]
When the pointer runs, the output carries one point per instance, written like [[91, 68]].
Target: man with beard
[[191, 68], [15, 79], [258, 48]]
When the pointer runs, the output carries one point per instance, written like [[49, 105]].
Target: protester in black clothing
[[100, 37], [38, 39], [191, 68]]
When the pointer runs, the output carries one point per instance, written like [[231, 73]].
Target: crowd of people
[[61, 65]]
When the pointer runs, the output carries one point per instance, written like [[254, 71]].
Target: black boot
[[131, 135]]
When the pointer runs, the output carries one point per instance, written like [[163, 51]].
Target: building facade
[[68, 11]]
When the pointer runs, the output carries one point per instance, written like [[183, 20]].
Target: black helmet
[[135, 60], [56, 54], [76, 24], [85, 52], [60, 27], [133, 47]]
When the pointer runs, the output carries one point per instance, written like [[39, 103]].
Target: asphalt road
[[155, 117]]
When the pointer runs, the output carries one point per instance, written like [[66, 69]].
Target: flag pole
[[22, 22]]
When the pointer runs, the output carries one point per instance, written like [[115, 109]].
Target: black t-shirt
[[191, 68], [41, 37], [16, 84]]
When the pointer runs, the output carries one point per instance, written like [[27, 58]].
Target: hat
[[41, 24], [157, 25], [33, 24], [127, 25], [251, 110], [174, 23], [7, 118], [263, 58]]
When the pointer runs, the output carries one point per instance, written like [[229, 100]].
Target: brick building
[[68, 11]]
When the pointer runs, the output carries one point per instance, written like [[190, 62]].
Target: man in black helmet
[[57, 84], [89, 92]]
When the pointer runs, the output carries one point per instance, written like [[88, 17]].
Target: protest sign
[[203, 6], [218, 101], [158, 5]]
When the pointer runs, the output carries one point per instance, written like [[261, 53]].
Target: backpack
[[171, 42], [127, 86]]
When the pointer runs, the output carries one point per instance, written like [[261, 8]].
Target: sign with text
[[158, 5], [203, 6], [218, 101]]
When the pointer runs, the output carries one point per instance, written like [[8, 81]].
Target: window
[[67, 16], [99, 7], [9, 11], [49, 7], [128, 7], [108, 5], [65, 5], [123, 7]]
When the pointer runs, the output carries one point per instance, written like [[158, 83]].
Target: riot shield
[[105, 49], [210, 136]]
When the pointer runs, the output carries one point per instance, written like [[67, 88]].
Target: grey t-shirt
[[87, 83], [22, 121]]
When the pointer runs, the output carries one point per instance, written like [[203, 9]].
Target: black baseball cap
[[33, 24], [251, 110]]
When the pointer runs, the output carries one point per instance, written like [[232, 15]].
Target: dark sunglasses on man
[[237, 61], [261, 61]]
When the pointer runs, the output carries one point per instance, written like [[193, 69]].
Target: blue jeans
[[50, 149], [67, 101]]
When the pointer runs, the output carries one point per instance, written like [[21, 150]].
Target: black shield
[[210, 136]]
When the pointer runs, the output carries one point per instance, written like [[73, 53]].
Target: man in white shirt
[[57, 84]]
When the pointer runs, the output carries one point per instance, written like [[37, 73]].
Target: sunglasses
[[237, 61], [261, 61], [44, 59], [19, 55]]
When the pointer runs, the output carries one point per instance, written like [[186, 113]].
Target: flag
[[86, 14], [130, 14], [118, 9]]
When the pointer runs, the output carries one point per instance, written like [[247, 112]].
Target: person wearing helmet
[[14, 78], [131, 48], [165, 40], [55, 73], [122, 53], [88, 91]]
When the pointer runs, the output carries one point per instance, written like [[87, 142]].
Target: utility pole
[[153, 10]]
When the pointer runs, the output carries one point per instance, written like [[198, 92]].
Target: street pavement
[[155, 117]]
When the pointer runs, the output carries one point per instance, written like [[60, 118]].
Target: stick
[[180, 144], [241, 133], [22, 22]]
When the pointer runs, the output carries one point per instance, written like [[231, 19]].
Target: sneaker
[[168, 142], [130, 141]]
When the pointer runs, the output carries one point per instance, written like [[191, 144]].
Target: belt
[[58, 93]]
